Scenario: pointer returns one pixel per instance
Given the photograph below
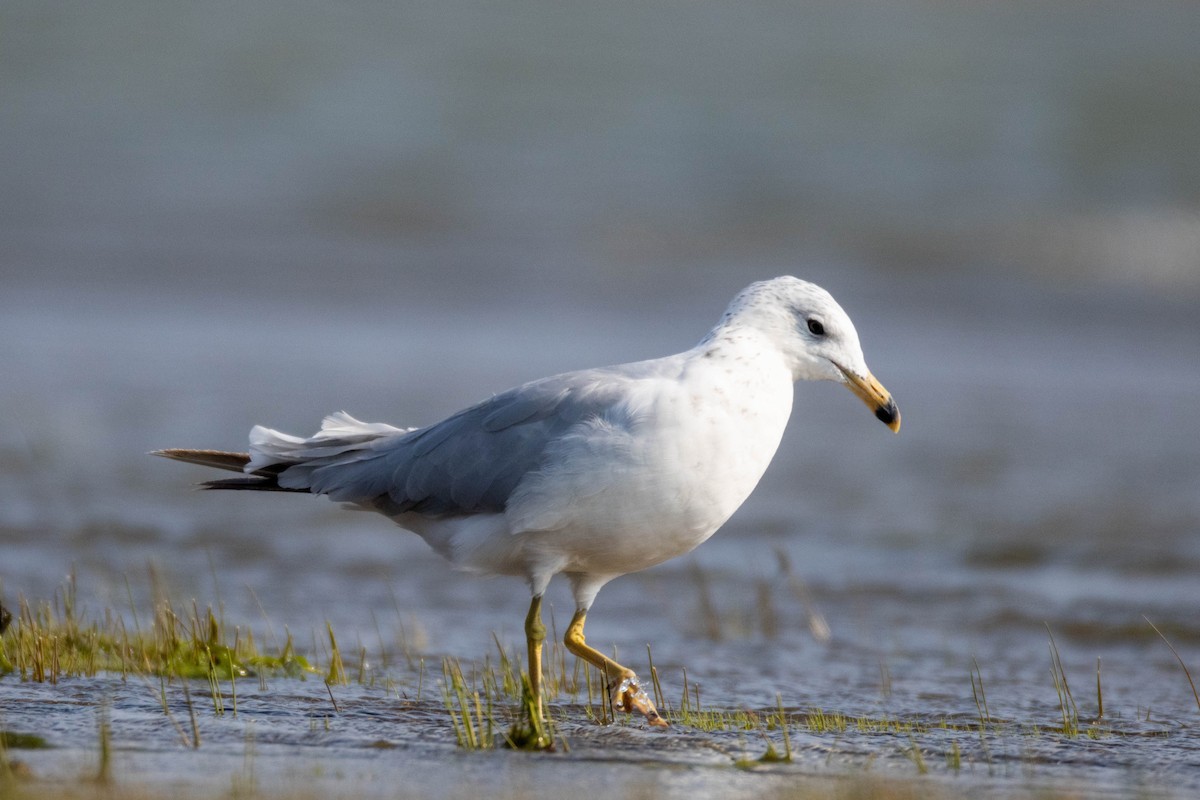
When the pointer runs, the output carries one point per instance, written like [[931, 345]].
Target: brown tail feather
[[234, 462]]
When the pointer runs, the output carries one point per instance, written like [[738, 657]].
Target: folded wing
[[467, 464]]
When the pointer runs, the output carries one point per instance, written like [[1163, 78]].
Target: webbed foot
[[628, 695]]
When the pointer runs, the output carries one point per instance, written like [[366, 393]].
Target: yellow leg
[[535, 634], [624, 690]]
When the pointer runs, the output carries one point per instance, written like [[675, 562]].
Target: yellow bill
[[871, 392]]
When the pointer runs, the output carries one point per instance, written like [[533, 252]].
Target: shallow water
[[997, 517], [288, 736], [399, 212]]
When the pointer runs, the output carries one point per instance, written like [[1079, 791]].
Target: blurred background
[[221, 214]]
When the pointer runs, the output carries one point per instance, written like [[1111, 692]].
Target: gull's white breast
[[657, 474]]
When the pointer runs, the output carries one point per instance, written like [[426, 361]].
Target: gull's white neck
[[743, 346]]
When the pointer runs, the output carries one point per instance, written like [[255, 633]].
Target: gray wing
[[471, 462]]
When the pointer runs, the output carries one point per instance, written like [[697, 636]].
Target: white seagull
[[592, 474]]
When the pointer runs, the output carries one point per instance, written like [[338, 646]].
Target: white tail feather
[[339, 435]]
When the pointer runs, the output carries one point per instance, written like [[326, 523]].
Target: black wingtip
[[250, 485]]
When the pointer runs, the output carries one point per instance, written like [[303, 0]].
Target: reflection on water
[[268, 217]]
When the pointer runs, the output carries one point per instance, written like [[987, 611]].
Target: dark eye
[[816, 328]]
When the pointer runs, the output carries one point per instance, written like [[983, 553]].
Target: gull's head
[[815, 336]]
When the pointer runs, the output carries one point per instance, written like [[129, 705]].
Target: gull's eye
[[816, 328]]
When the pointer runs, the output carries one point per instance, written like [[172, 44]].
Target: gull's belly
[[627, 497]]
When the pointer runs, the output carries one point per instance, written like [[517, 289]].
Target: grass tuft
[[1178, 658], [52, 640], [12, 740], [473, 729], [1066, 702]]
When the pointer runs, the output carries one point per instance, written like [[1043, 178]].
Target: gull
[[592, 474]]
